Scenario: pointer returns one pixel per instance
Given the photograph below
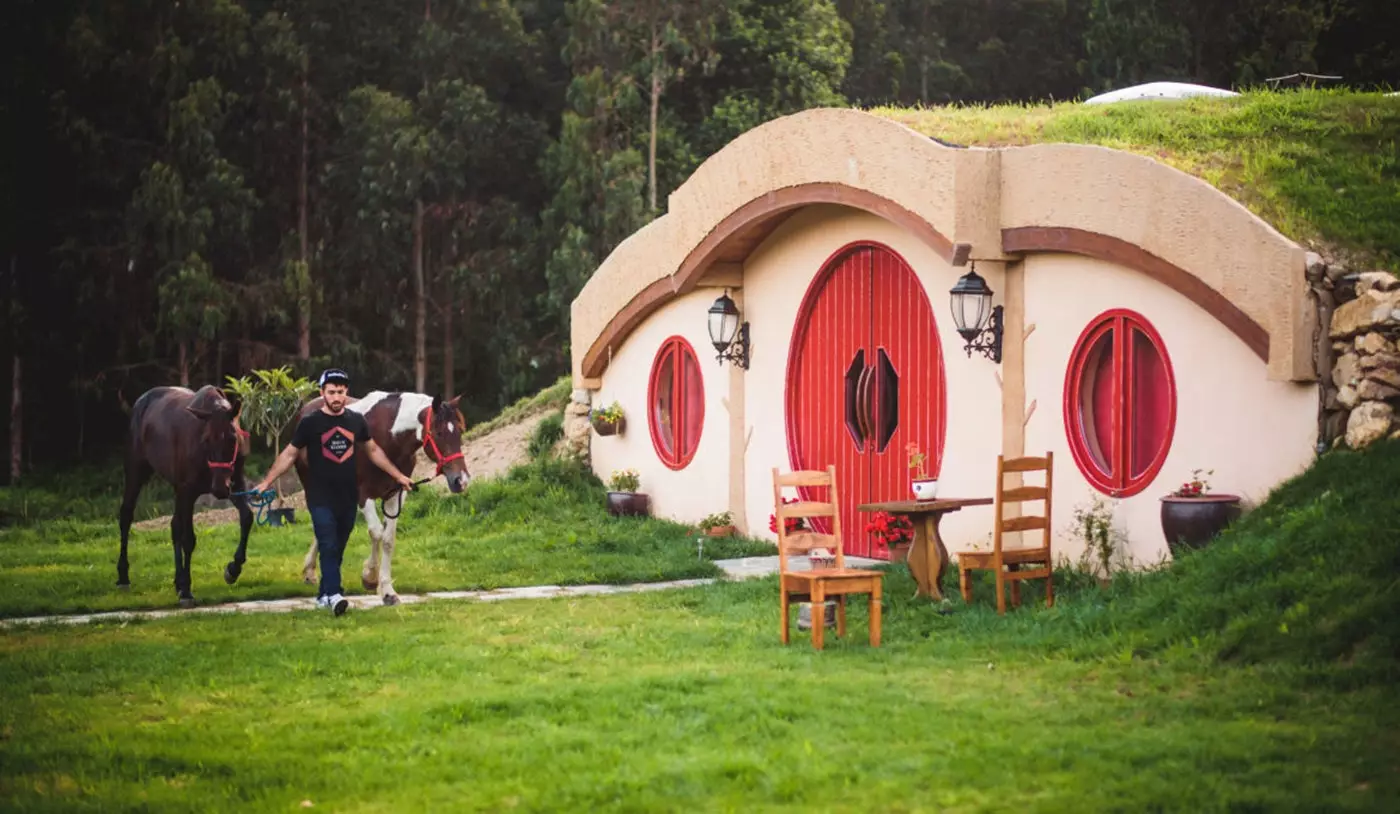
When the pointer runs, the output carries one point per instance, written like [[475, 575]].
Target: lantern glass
[[972, 304], [724, 322]]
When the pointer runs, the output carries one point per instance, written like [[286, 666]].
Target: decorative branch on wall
[[1030, 329], [1029, 412], [997, 373]]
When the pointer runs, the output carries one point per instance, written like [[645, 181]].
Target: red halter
[[229, 464], [437, 453]]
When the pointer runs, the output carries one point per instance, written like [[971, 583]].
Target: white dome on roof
[[1158, 90]]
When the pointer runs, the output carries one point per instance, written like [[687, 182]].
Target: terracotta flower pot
[[603, 426], [1192, 522], [899, 552], [720, 531], [628, 504]]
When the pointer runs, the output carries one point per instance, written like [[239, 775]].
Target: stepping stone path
[[738, 569]]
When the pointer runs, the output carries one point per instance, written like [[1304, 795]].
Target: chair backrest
[[1023, 494], [805, 541]]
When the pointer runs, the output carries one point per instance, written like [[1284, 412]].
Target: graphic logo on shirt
[[337, 444]]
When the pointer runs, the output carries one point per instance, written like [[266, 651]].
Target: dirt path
[[489, 456]]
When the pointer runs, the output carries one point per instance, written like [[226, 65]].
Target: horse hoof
[[391, 599], [187, 602], [308, 580], [369, 585], [232, 573]]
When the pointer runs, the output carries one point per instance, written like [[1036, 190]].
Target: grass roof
[[1321, 166]]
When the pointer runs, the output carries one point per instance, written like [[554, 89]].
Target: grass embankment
[[1256, 674], [1321, 166]]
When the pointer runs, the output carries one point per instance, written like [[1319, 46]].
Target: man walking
[[331, 436]]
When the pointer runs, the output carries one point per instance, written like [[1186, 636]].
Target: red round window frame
[[682, 456], [1118, 484]]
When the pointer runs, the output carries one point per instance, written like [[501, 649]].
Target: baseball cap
[[333, 375]]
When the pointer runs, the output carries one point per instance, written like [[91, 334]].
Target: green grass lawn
[[678, 701], [1255, 675], [1321, 166], [545, 523]]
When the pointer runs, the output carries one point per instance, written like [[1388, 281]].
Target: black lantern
[[729, 336], [972, 306]]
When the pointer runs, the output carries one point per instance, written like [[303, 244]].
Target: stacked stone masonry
[[1361, 396]]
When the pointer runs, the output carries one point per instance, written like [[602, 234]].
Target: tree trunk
[[304, 303], [655, 107], [16, 423], [184, 364], [420, 304], [448, 359]]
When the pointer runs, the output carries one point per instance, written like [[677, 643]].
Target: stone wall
[[578, 432], [1360, 398]]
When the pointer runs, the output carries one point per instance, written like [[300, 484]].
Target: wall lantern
[[972, 301], [730, 337]]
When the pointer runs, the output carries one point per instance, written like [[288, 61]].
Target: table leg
[[918, 559], [938, 554]]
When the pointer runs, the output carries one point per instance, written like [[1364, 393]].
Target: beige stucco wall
[[700, 489], [775, 280], [969, 196], [1230, 417], [1176, 217]]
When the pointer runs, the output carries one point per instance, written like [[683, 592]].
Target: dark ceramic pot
[[628, 504], [1191, 522], [281, 517]]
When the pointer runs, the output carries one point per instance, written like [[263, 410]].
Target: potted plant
[[1192, 514], [608, 420], [624, 500], [792, 524], [272, 401], [925, 488], [719, 524], [895, 532]]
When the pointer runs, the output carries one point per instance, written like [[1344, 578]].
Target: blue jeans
[[332, 528]]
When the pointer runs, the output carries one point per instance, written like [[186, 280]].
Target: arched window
[[675, 403], [1120, 403]]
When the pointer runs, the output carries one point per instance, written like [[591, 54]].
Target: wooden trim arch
[[1115, 250], [753, 215]]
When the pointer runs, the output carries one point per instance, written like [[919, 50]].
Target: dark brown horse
[[192, 440], [400, 424]]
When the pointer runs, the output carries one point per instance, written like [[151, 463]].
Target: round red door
[[865, 380]]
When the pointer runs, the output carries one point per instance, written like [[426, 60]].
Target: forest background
[[416, 191]]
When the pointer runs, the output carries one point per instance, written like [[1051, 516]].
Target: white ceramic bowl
[[925, 489]]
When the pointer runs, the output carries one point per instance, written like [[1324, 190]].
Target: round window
[[675, 403]]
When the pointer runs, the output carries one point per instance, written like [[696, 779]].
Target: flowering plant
[[889, 529], [625, 480], [1197, 486], [792, 524], [610, 413], [916, 460]]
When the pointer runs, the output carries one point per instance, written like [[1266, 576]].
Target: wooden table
[[927, 567]]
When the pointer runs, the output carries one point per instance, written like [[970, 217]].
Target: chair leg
[[1015, 586], [875, 616], [965, 584], [1050, 589], [840, 616], [785, 622], [818, 615], [1001, 592]]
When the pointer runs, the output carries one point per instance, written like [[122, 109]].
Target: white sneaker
[[338, 604]]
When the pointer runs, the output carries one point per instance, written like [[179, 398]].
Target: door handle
[[863, 404]]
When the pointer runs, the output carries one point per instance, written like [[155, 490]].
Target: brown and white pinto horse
[[193, 441], [400, 424]]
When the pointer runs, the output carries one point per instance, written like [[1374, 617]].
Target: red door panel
[[909, 392], [831, 340], [865, 378]]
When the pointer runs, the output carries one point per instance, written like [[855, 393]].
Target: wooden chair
[[1014, 559], [819, 584]]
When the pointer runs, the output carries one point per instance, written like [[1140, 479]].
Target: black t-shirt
[[330, 442]]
